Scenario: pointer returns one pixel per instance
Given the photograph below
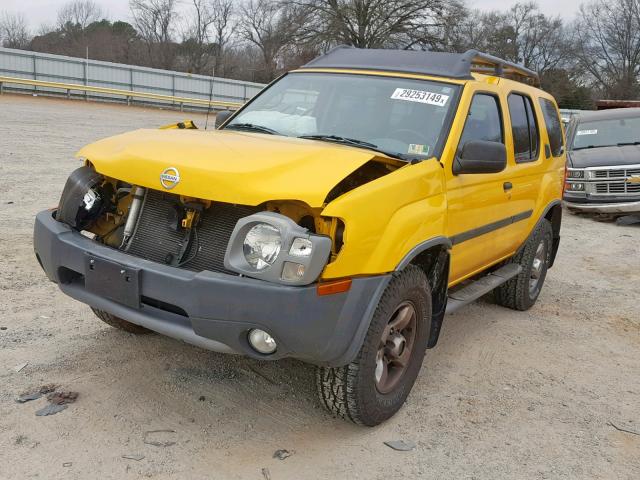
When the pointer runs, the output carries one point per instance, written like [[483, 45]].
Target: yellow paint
[[227, 166], [384, 219]]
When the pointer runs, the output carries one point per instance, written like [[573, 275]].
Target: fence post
[[86, 79], [245, 93], [35, 72]]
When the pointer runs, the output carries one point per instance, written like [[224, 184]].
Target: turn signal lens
[[337, 286], [292, 271]]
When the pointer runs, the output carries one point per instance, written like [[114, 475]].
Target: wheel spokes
[[403, 359], [402, 318], [395, 347]]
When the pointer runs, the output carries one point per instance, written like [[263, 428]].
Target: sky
[[40, 12]]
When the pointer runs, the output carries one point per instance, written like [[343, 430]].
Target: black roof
[[438, 64], [609, 114]]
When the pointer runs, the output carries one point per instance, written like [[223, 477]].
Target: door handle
[[507, 186]]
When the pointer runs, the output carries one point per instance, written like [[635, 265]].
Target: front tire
[[376, 384], [521, 292], [120, 324]]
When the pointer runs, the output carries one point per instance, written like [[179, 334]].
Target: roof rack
[[489, 65], [438, 64]]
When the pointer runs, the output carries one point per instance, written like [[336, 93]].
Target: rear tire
[[521, 292], [117, 322], [376, 384]]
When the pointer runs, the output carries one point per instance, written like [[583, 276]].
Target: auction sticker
[[416, 149], [420, 96], [587, 132]]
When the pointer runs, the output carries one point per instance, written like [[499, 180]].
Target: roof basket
[[489, 65]]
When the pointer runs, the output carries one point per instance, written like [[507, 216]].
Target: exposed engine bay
[[167, 228]]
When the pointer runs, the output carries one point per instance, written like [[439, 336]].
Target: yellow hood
[[232, 167]]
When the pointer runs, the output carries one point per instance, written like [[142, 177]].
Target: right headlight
[[262, 245], [272, 247]]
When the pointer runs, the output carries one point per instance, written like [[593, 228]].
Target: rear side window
[[484, 121], [524, 128], [554, 128]]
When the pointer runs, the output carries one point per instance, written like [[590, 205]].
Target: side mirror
[[222, 117], [480, 156]]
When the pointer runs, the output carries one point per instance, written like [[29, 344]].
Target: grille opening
[[160, 305], [157, 239]]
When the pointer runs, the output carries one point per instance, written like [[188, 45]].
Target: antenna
[[213, 77]]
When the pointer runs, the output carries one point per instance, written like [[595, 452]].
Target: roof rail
[[488, 64]]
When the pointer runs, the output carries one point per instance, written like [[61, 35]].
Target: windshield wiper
[[593, 146], [622, 144], [252, 126], [359, 143]]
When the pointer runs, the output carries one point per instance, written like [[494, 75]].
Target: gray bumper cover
[[217, 310]]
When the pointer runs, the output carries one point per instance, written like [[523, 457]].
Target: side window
[[484, 121], [524, 128], [554, 128]]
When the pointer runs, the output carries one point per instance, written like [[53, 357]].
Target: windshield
[[398, 116], [605, 133]]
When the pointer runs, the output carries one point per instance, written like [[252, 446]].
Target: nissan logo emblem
[[170, 178]]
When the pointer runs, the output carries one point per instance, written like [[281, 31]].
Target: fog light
[[292, 271], [261, 341]]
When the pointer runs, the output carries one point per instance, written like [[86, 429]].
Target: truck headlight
[[576, 186], [272, 247], [262, 245]]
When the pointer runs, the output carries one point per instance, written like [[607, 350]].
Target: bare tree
[[223, 23], [521, 34], [14, 32], [196, 44], [271, 28], [373, 23], [78, 14], [155, 20], [609, 45]]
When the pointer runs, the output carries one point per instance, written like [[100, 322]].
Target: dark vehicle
[[603, 161]]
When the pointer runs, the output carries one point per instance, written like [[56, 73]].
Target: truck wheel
[[375, 385], [521, 292], [119, 323]]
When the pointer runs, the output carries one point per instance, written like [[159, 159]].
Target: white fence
[[71, 70]]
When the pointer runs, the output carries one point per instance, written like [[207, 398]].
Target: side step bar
[[482, 286]]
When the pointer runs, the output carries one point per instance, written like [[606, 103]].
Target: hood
[[232, 167], [605, 156]]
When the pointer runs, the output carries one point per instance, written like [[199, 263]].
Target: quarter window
[[484, 121], [554, 128], [524, 128]]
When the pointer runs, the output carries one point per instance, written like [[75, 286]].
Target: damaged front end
[[280, 241]]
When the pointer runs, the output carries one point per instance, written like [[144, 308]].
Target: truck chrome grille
[[609, 181], [155, 240]]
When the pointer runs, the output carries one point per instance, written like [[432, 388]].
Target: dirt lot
[[504, 395]]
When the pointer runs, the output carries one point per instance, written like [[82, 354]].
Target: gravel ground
[[504, 395]]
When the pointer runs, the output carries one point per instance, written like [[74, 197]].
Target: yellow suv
[[335, 218]]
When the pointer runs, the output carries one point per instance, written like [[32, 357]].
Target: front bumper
[[619, 207], [214, 310]]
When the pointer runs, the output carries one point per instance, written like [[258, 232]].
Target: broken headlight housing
[[272, 247], [84, 198]]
